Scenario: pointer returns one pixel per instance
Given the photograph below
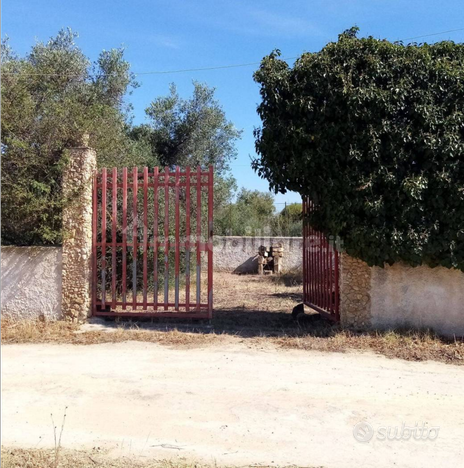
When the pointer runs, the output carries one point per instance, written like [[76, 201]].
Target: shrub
[[373, 133]]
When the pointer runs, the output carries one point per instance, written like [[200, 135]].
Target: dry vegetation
[[253, 309], [35, 458], [39, 458]]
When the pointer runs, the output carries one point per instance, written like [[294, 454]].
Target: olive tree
[[50, 97]]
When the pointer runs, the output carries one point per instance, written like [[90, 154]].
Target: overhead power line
[[433, 34], [160, 72], [220, 67]]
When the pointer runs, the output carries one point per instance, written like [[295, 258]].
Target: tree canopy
[[251, 214], [189, 132], [373, 133], [54, 94], [192, 132], [50, 98], [289, 221]]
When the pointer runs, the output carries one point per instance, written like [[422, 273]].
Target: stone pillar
[[355, 287], [77, 232]]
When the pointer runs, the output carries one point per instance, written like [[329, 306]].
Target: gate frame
[[195, 310], [321, 288]]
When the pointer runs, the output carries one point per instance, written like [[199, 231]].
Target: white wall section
[[31, 282]]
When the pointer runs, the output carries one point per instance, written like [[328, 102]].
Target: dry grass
[[67, 333], [255, 309], [409, 345], [35, 458]]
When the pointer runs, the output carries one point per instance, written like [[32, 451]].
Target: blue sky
[[168, 35]]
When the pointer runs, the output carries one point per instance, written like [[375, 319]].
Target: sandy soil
[[231, 404], [254, 307]]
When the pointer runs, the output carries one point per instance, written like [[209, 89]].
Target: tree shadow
[[234, 321], [245, 323], [294, 296]]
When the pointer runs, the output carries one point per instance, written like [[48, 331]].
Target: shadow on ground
[[233, 321], [288, 295], [246, 306], [252, 306]]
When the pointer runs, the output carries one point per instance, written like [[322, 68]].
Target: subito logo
[[363, 432]]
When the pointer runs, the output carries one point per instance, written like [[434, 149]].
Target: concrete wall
[[401, 296], [419, 297], [240, 254], [31, 282]]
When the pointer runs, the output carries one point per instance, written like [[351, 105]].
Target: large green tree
[[373, 133], [50, 97]]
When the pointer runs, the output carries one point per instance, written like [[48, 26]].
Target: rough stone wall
[[355, 289], [77, 234], [31, 283], [240, 254]]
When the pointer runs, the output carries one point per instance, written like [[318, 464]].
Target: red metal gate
[[146, 227], [320, 270]]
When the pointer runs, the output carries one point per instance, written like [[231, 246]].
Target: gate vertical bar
[[145, 236], [94, 241], [124, 237], [198, 237], [104, 188], [326, 275], [313, 260], [177, 235], [321, 263], [155, 239], [329, 275], [135, 182], [306, 274], [305, 248], [305, 254], [303, 234], [331, 269], [317, 263], [322, 257], [319, 268], [337, 292], [187, 240], [310, 258], [318, 273], [210, 242], [114, 213], [308, 262], [166, 237]]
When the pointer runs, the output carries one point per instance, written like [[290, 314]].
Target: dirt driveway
[[232, 404]]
